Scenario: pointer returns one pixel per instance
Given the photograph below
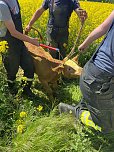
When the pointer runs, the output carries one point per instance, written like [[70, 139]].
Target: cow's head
[[71, 68]]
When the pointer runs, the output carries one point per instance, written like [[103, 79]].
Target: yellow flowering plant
[[3, 47], [21, 128], [39, 108], [96, 15], [21, 125], [23, 114]]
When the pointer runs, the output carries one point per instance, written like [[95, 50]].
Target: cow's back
[[44, 63], [37, 51]]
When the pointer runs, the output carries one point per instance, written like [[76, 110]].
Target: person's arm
[[11, 28], [35, 16], [82, 14], [7, 19], [98, 32]]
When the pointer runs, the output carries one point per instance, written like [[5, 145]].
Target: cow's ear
[[75, 59], [58, 69], [65, 59]]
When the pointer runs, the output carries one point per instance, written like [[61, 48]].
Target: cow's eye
[[68, 69]]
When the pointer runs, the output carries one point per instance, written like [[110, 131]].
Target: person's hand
[[82, 48], [82, 14], [27, 29], [34, 41]]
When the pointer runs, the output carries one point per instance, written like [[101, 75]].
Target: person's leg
[[52, 40], [27, 65], [63, 43], [63, 48], [53, 53], [97, 88], [85, 110], [11, 62], [81, 112]]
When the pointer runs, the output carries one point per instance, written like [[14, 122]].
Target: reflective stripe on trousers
[[86, 119]]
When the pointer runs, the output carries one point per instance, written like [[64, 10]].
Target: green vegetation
[[34, 125]]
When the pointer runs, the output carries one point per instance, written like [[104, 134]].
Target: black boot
[[67, 109]]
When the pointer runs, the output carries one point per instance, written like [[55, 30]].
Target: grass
[[46, 131], [53, 134]]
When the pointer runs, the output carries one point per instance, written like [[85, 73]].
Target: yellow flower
[[24, 78], [20, 129], [3, 46], [39, 108], [70, 112], [23, 114], [65, 45]]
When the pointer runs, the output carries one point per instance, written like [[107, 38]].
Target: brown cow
[[49, 69]]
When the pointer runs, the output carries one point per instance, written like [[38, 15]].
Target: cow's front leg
[[48, 90], [54, 85], [54, 88]]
